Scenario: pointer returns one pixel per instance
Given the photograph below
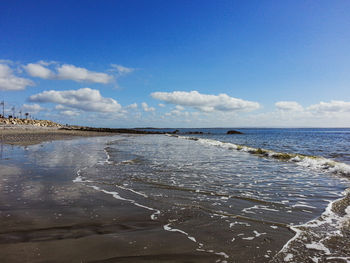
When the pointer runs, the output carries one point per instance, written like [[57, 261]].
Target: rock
[[196, 132], [233, 132], [40, 123]]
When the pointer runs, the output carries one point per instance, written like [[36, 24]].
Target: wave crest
[[313, 162]]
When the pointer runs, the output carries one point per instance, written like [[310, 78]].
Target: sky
[[177, 63]]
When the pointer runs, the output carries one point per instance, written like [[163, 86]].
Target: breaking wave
[[313, 162]]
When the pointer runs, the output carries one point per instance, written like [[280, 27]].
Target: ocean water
[[275, 195], [268, 195]]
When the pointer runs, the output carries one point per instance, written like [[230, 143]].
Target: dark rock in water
[[195, 132], [176, 131], [234, 132]]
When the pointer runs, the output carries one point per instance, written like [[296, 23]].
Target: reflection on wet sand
[[44, 216]]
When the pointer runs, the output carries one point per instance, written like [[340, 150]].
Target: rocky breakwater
[[39, 123], [111, 130]]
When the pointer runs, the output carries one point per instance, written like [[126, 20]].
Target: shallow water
[[228, 203]]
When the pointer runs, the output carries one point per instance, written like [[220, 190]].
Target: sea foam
[[312, 162]]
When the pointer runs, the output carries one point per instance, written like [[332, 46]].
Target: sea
[[266, 195]]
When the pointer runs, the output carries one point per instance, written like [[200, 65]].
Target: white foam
[[80, 179], [318, 246], [131, 190], [319, 163], [303, 205], [257, 207], [170, 229], [239, 223], [108, 159], [257, 234], [328, 220], [222, 254], [167, 227], [288, 257]]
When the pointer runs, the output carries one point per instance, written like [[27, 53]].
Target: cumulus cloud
[[9, 81], [204, 102], [32, 108], [161, 105], [333, 106], [66, 72], [85, 99], [39, 71], [147, 108], [289, 106], [82, 74]]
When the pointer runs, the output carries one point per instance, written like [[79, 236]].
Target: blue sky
[[179, 63]]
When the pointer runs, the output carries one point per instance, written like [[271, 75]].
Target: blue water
[[332, 143]]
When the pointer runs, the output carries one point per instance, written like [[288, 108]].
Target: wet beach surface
[[45, 217], [152, 199], [25, 135]]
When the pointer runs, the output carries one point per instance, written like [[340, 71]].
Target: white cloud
[[289, 106], [66, 72], [38, 70], [333, 106], [180, 108], [161, 105], [8, 81], [122, 70], [132, 106], [146, 108], [204, 102], [32, 108], [85, 99], [72, 72], [60, 107], [70, 113], [178, 113]]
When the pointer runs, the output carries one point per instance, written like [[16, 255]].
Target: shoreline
[[25, 135], [45, 216], [310, 237]]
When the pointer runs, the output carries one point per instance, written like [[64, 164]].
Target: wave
[[313, 162], [322, 239]]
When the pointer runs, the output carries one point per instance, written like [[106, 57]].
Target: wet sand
[[29, 135], [45, 217]]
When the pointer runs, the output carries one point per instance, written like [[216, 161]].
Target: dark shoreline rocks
[[233, 132], [111, 130]]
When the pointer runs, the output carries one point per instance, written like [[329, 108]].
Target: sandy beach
[[46, 217], [29, 135]]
